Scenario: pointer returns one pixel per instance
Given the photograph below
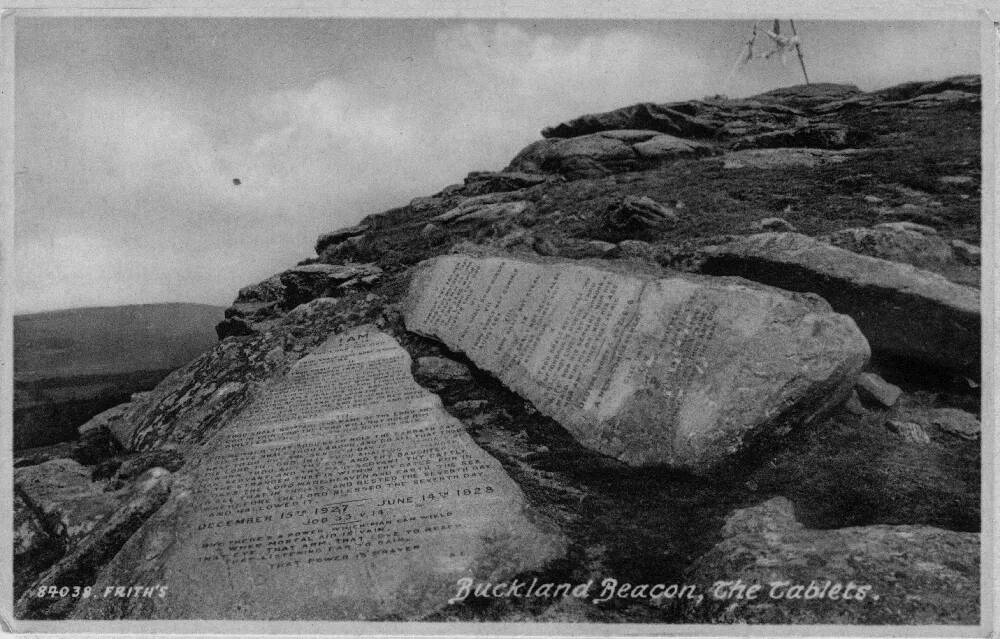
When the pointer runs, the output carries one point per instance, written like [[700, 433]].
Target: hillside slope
[[70, 365], [111, 339]]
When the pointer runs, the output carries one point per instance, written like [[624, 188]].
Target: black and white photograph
[[484, 319]]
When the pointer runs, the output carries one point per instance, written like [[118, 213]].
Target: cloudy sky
[[130, 131]]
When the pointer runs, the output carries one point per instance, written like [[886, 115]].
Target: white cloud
[[148, 192], [619, 64]]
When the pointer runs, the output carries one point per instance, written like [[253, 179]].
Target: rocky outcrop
[[960, 99], [873, 388], [605, 153], [493, 207], [638, 215], [903, 311], [822, 135], [35, 548], [645, 135], [714, 118], [677, 119], [674, 370], [338, 236], [906, 242], [134, 466], [258, 305], [484, 182], [63, 498], [907, 575], [80, 567], [807, 96], [439, 371], [104, 420], [909, 90], [949, 421], [305, 283]]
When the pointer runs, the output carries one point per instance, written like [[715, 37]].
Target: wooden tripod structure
[[782, 44]]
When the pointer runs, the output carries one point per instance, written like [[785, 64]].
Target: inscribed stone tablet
[[679, 370], [344, 492]]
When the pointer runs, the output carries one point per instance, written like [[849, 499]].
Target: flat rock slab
[[907, 242], [875, 389], [679, 370], [62, 495], [339, 235], [606, 152], [902, 310], [81, 564], [859, 575], [343, 491]]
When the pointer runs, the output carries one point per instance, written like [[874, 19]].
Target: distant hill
[[72, 364], [111, 339]]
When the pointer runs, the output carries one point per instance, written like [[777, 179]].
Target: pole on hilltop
[[798, 50]]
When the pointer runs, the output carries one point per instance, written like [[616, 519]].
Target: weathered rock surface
[[808, 95], [484, 208], [719, 118], [909, 431], [438, 370], [259, 305], [902, 310], [875, 389], [662, 118], [781, 158], [338, 236], [907, 90], [951, 421], [823, 135], [675, 370], [104, 419], [61, 494], [376, 503], [604, 153], [905, 575], [915, 244], [640, 214], [483, 182], [167, 458], [961, 99], [633, 250], [305, 283], [34, 547], [95, 550], [667, 147]]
